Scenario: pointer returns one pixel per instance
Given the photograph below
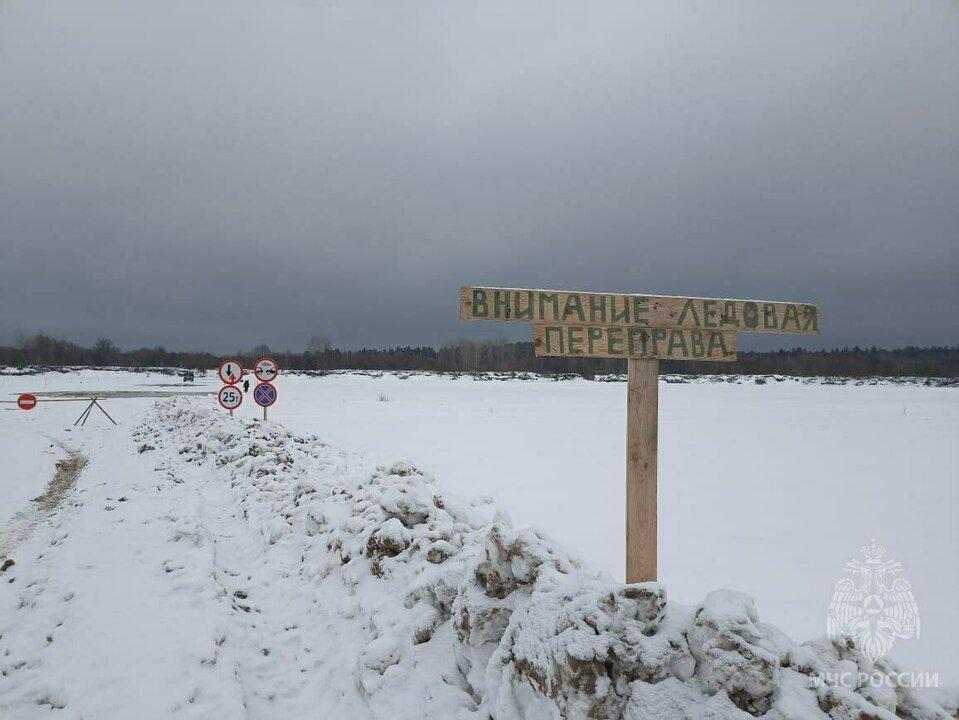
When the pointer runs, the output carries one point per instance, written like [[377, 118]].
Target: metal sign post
[[642, 329]]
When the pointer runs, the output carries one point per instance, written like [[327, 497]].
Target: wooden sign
[[631, 341], [643, 329], [554, 307]]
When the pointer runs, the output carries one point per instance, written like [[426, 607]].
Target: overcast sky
[[221, 173]]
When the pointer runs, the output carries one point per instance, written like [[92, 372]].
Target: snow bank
[[442, 609]]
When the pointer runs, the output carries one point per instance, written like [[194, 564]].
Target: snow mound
[[441, 609]]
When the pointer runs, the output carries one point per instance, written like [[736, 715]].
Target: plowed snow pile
[[340, 591]]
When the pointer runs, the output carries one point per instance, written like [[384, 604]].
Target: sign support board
[[559, 307], [642, 329], [633, 341]]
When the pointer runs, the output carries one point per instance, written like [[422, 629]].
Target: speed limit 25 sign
[[230, 397]]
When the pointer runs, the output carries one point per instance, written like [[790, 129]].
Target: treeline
[[467, 356]]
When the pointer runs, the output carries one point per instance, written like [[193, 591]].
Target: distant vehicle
[[188, 376]]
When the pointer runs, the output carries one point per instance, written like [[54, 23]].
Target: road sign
[[230, 397], [631, 341], [230, 372], [266, 370], [554, 307], [27, 401], [264, 394], [643, 329]]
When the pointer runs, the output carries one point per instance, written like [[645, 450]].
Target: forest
[[493, 356]]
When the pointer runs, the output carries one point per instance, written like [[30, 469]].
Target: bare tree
[[318, 343], [104, 352]]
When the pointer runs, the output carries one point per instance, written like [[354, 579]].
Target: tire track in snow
[[22, 525]]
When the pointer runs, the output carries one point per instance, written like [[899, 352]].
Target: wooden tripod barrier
[[642, 431]]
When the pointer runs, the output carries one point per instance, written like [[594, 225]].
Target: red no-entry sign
[[27, 401]]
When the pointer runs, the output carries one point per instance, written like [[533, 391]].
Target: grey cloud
[[220, 174]]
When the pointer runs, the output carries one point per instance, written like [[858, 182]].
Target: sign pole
[[642, 431]]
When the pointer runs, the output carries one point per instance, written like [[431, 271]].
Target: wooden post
[[642, 430]]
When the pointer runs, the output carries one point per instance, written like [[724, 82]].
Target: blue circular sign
[[264, 394]]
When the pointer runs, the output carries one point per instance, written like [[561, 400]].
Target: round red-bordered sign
[[27, 401], [230, 397], [264, 394], [230, 372], [266, 369]]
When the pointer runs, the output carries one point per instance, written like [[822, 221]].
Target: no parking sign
[[264, 395]]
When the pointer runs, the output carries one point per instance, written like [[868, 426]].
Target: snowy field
[[769, 489], [766, 489]]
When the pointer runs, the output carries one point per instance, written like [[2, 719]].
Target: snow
[[769, 489], [236, 566]]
